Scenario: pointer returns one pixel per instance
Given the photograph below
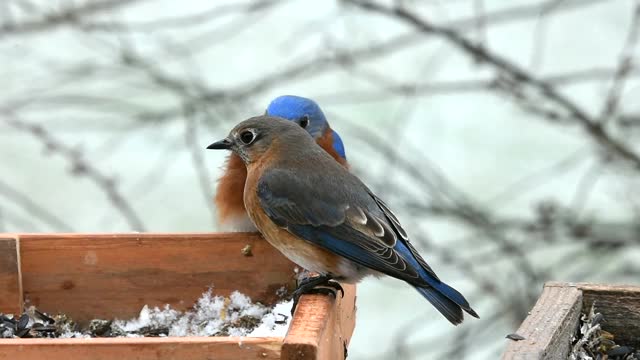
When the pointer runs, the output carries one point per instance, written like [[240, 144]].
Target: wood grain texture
[[321, 327], [553, 321], [114, 275], [10, 276], [191, 348], [549, 327]]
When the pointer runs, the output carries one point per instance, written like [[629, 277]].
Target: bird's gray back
[[324, 181]]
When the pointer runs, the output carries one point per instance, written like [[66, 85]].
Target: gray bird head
[[252, 138]]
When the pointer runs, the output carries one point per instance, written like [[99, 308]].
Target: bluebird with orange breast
[[308, 115], [324, 218]]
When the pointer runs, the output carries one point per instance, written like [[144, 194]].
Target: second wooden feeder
[[554, 320]]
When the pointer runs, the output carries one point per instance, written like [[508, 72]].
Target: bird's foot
[[322, 284]]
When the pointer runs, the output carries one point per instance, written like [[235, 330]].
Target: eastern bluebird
[[325, 219], [305, 112]]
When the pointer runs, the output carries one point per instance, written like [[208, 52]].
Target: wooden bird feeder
[[555, 318], [89, 276]]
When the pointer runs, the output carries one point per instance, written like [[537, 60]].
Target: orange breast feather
[[229, 195], [228, 198], [301, 252], [326, 142]]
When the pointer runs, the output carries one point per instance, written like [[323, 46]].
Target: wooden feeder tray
[[555, 318], [89, 276]]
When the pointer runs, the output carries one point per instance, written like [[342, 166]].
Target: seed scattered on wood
[[246, 250], [620, 351], [597, 319], [515, 337], [212, 315], [591, 342], [99, 327], [282, 320], [47, 319], [23, 322], [150, 331]]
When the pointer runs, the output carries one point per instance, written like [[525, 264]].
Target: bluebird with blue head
[[302, 111], [309, 115], [324, 218]]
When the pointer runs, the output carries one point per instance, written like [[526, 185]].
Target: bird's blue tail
[[448, 301], [443, 297]]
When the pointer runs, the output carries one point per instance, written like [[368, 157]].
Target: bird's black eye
[[247, 137], [304, 121]]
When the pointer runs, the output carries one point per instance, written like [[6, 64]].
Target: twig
[[480, 25], [80, 167], [433, 88], [67, 16], [33, 209], [625, 66], [177, 22], [458, 206], [196, 151], [517, 74], [3, 225]]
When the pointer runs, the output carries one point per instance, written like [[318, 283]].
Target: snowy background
[[504, 134]]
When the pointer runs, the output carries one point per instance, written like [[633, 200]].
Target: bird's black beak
[[224, 144]]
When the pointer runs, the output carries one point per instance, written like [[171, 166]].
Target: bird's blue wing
[[357, 225], [342, 225]]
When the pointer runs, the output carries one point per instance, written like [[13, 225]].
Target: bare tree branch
[[169, 23], [35, 210], [596, 131], [388, 87], [625, 67], [65, 17], [80, 167], [191, 140]]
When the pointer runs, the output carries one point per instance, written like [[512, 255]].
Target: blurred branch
[[201, 94], [12, 219], [480, 25], [176, 22], [79, 167], [515, 73], [191, 140], [388, 87], [449, 200], [625, 66], [33, 209], [3, 225], [55, 19]]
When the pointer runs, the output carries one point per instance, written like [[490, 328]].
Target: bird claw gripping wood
[[322, 284]]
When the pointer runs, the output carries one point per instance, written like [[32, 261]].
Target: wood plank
[[341, 323], [192, 348], [114, 275], [10, 277], [107, 275], [322, 327], [549, 327], [620, 306]]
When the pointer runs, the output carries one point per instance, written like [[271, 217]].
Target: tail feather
[[456, 297], [448, 308], [448, 301], [445, 298]]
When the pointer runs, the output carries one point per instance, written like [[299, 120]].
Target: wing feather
[[363, 230]]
